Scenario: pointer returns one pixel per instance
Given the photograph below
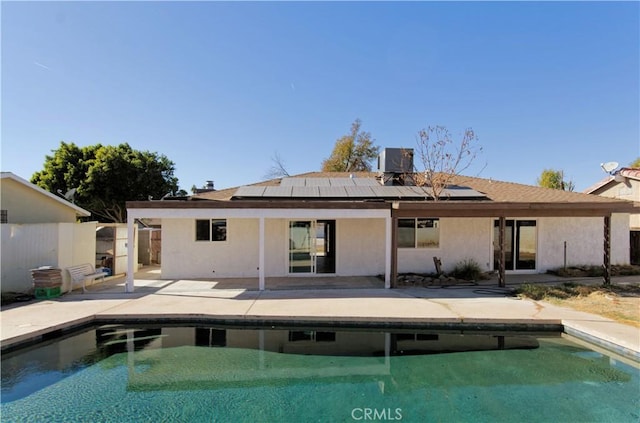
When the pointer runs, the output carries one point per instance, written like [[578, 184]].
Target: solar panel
[[350, 188], [333, 192], [360, 192], [249, 191], [305, 192], [277, 192], [382, 191], [411, 192], [461, 192], [365, 182], [341, 182], [317, 182]]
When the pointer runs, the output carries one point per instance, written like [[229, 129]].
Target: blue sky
[[219, 88]]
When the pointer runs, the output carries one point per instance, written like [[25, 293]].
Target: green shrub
[[468, 270]]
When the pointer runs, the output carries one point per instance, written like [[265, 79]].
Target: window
[[416, 337], [418, 233], [211, 230], [311, 335], [209, 337]]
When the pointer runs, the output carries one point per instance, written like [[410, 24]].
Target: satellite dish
[[609, 167], [69, 195]]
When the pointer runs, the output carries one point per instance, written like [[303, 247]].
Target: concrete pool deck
[[157, 300]]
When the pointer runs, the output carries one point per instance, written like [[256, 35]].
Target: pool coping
[[471, 325], [187, 301]]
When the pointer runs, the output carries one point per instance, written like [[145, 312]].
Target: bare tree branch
[[278, 169], [441, 159]]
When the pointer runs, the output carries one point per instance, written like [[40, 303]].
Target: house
[[624, 184], [377, 223], [39, 229]]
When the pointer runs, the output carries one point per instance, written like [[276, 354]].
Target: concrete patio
[[330, 301]]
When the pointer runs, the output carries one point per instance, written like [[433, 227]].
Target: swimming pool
[[295, 374]]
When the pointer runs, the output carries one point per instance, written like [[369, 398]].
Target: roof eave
[[79, 210]]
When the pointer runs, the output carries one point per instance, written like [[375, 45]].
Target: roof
[[627, 172], [496, 191], [79, 210], [499, 199]]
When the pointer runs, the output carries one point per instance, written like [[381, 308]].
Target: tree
[[105, 177], [353, 152], [636, 163], [551, 178], [442, 159]]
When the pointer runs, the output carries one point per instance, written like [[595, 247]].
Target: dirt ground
[[620, 303]]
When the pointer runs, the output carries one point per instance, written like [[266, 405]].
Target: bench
[[83, 273]]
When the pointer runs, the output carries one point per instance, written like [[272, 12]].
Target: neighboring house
[[39, 229], [340, 224], [624, 184]]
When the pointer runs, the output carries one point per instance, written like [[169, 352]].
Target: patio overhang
[[501, 210], [511, 209], [260, 210], [390, 211]]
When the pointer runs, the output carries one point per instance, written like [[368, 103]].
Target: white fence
[[27, 246]]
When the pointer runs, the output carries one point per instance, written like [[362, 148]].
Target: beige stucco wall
[[359, 244], [628, 190], [585, 241], [25, 205], [360, 247], [183, 257], [460, 239], [25, 247]]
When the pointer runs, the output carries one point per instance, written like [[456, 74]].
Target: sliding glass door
[[301, 247], [312, 246], [520, 244]]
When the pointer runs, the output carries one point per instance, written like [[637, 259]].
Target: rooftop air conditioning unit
[[396, 160]]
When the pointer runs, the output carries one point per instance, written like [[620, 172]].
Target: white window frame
[[436, 224], [226, 235]]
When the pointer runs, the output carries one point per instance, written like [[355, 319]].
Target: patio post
[[394, 252], [388, 251], [501, 255], [606, 274], [261, 255], [131, 242]]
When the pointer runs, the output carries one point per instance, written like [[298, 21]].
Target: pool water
[[192, 374]]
